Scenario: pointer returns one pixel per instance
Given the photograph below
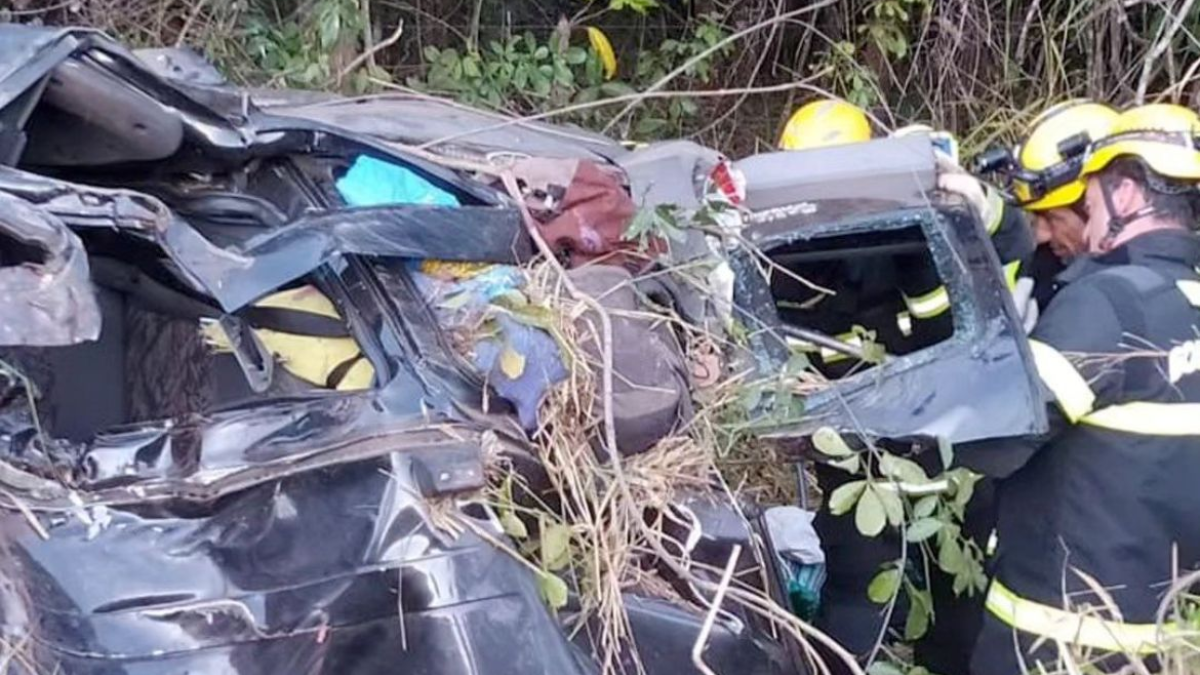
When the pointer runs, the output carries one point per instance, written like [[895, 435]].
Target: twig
[[712, 50], [1160, 47], [578, 107], [364, 7], [1178, 88], [711, 617], [187, 25], [370, 53], [38, 10], [762, 59], [29, 515]]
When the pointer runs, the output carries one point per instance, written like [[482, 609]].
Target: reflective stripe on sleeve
[[1011, 271], [935, 302], [1071, 390], [1190, 290], [1074, 628], [996, 206], [930, 304], [1147, 418]]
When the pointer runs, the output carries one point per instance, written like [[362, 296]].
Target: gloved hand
[[1027, 308], [955, 179]]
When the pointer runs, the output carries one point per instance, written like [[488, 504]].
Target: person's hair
[[1171, 199]]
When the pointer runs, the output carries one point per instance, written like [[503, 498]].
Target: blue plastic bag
[[374, 182]]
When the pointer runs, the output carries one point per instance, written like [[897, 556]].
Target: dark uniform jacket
[[1113, 491]]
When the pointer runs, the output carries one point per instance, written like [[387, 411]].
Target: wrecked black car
[[175, 497], [181, 500]]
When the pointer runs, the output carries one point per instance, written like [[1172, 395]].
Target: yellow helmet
[[1041, 154], [823, 123], [1162, 135]]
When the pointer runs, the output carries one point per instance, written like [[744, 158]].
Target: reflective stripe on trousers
[[1074, 628]]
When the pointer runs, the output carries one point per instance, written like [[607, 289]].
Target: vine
[[897, 492]]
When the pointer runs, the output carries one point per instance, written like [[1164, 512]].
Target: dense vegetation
[[978, 67]]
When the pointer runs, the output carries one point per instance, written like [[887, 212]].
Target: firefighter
[[824, 123], [923, 305], [1109, 493], [1047, 185]]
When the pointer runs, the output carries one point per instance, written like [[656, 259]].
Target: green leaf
[[961, 581], [918, 621], [966, 489], [926, 506], [884, 668], [751, 397], [541, 53], [576, 56], [431, 53], [831, 443], [456, 301], [330, 24], [448, 58], [903, 470], [587, 95], [648, 126], [471, 67], [893, 506], [923, 529], [496, 47], [870, 515], [513, 526], [615, 89], [945, 451], [884, 586], [846, 496], [556, 546], [563, 75], [950, 556], [553, 590]]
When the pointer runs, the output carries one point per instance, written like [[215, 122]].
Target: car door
[[852, 216]]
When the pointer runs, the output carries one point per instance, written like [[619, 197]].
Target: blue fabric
[[374, 182], [543, 367]]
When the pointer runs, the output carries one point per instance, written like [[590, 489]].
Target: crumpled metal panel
[[239, 274], [413, 120], [331, 570], [28, 53], [48, 302]]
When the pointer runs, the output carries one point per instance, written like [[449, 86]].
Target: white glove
[[955, 179], [1027, 308]]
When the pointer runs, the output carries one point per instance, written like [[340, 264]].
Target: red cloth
[[588, 222]]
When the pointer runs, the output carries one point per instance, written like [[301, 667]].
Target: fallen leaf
[[556, 546], [513, 526], [512, 362], [553, 590]]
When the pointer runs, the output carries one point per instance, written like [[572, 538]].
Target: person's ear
[[1128, 197]]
